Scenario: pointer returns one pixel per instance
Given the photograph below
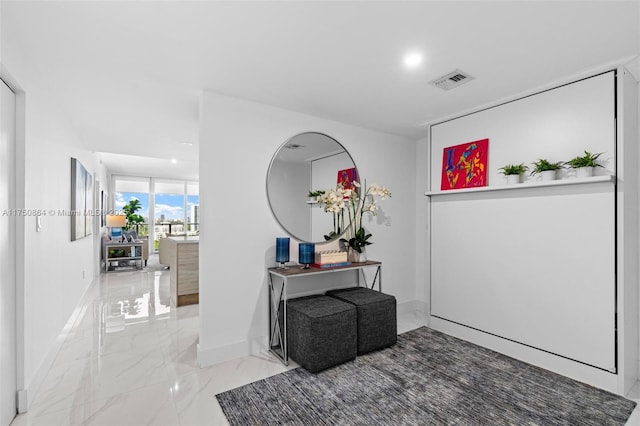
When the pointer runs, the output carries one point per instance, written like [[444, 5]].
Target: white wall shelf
[[525, 185]]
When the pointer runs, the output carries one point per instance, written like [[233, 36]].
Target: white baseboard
[[416, 306], [23, 402], [238, 349]]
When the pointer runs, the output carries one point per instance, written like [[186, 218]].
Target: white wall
[[547, 125], [423, 247], [628, 226], [54, 272], [238, 232]]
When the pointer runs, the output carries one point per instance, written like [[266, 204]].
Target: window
[[169, 209], [129, 189], [168, 206]]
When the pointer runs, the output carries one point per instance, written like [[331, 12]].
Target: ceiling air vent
[[451, 80]]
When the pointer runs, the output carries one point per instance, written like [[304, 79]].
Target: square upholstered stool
[[377, 323], [321, 332]]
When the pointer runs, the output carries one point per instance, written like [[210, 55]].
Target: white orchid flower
[[355, 203]]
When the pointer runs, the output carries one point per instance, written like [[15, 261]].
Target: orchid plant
[[358, 206], [353, 202], [334, 202]]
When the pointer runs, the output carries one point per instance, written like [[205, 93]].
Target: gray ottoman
[[322, 332], [377, 324]]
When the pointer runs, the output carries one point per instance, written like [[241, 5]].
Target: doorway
[[8, 362]]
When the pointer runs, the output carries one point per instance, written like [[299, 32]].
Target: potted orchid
[[360, 203], [352, 203], [333, 201]]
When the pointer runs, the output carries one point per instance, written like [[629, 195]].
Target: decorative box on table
[[330, 258]]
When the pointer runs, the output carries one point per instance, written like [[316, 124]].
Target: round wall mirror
[[305, 163]]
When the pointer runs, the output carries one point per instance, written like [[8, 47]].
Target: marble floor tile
[[152, 405], [194, 393]]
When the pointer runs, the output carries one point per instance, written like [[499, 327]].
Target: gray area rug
[[427, 378]]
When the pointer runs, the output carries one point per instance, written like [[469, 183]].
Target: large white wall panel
[[533, 265]]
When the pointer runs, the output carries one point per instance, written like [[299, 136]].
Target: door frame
[[20, 180]]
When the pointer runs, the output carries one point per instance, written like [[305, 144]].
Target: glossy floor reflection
[[130, 359]]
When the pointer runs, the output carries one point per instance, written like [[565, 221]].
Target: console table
[[278, 299], [132, 252]]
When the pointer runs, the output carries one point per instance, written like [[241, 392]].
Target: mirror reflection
[[306, 163]]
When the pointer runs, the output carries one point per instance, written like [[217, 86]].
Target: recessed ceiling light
[[186, 143], [174, 161], [412, 60]]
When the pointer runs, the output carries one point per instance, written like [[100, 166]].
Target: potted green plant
[[130, 210], [546, 169], [313, 195], [513, 172], [358, 242], [585, 164]]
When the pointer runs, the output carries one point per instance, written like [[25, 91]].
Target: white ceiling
[[129, 74]]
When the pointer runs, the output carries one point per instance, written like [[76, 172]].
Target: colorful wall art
[[345, 177], [465, 165]]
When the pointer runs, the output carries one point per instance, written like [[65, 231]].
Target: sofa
[[164, 257]]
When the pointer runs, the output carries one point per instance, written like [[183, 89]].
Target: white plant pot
[[513, 179], [356, 257], [583, 172], [548, 175]]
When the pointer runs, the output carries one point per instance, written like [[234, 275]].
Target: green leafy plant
[[543, 165], [130, 210], [587, 160], [513, 169], [315, 193], [359, 240], [360, 203]]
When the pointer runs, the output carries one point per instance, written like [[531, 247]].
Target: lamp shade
[[116, 221]]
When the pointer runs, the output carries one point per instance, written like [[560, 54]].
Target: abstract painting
[[465, 165], [346, 177]]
